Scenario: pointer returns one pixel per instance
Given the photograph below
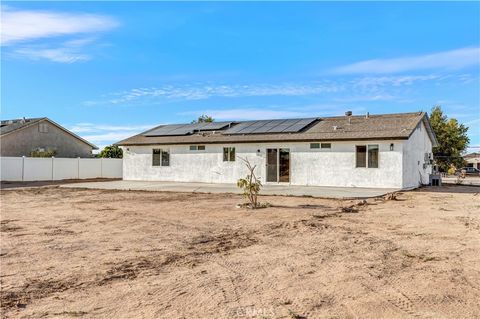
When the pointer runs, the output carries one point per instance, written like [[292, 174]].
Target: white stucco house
[[382, 151]]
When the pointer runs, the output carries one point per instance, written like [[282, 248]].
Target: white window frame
[[367, 156], [195, 148], [229, 151], [319, 146], [162, 151]]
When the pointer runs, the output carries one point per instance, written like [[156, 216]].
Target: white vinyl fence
[[52, 169]]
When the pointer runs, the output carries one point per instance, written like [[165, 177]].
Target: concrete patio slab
[[269, 189]]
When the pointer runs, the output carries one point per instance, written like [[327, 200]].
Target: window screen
[[229, 154], [156, 157], [326, 145], [314, 145], [197, 147], [160, 157], [165, 158], [373, 156], [361, 155]]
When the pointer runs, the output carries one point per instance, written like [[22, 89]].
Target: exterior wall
[[23, 141], [473, 161], [319, 167], [415, 173]]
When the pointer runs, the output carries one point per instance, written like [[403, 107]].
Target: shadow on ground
[[8, 185], [460, 189]]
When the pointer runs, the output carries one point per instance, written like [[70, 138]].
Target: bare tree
[[250, 184]]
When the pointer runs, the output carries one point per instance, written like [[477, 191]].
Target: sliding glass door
[[278, 165], [272, 167]]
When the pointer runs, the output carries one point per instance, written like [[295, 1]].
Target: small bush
[[451, 170], [250, 185], [43, 153]]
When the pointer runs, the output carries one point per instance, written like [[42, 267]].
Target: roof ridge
[[418, 113]]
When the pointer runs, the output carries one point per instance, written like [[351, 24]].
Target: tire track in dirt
[[205, 246]]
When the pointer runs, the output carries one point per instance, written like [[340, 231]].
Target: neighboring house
[[473, 160], [21, 137], [385, 151]]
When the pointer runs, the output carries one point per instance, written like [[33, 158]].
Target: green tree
[[452, 139], [111, 151], [204, 119]]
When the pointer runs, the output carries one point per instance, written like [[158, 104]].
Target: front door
[[278, 165]]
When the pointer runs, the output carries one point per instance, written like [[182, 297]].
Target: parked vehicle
[[468, 171]]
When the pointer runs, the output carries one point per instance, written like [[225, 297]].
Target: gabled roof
[[7, 126], [10, 126], [472, 155], [338, 128]]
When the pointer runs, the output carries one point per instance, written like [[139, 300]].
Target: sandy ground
[[120, 254]]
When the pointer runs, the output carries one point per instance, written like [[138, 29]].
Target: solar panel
[[270, 126], [248, 127], [162, 130], [237, 129], [213, 126], [267, 125], [256, 126], [298, 126], [186, 129], [281, 126]]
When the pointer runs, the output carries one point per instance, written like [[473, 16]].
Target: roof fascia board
[[426, 122], [269, 141], [71, 133]]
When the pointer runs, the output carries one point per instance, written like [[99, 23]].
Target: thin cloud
[[474, 121], [104, 134], [395, 81], [367, 88], [28, 25], [107, 138], [368, 98], [189, 92], [91, 127], [48, 35], [61, 55], [451, 60]]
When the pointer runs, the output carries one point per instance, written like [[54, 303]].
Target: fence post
[[23, 168], [78, 167], [101, 167], [53, 159]]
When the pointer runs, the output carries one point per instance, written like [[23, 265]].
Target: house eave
[[393, 138]]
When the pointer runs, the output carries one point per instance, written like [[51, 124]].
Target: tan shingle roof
[[385, 126], [7, 126], [10, 126]]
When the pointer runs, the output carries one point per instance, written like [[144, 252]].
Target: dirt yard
[[119, 254]]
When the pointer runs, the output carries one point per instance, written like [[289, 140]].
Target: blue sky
[[108, 70]]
